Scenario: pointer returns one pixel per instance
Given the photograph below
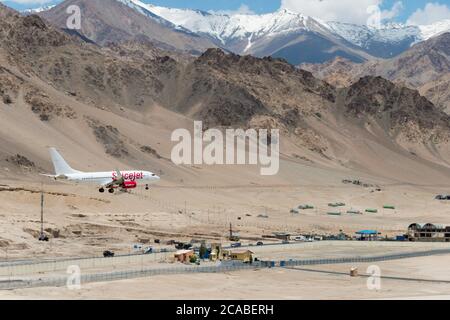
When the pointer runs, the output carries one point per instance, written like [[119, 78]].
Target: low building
[[184, 255], [216, 252], [241, 255], [282, 236], [428, 232], [367, 235]]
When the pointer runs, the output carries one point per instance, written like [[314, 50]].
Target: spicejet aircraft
[[105, 180]]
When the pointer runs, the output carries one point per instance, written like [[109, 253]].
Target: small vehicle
[[300, 238], [259, 243], [183, 246], [148, 250], [163, 250], [108, 254], [236, 245], [157, 241], [43, 237], [285, 242]]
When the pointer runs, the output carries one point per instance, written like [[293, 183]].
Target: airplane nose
[[155, 177]]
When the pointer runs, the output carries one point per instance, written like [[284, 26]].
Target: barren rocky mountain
[[121, 23], [117, 105], [118, 101], [425, 67], [397, 108], [338, 72]]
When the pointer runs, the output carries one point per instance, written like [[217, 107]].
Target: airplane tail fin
[[61, 166]]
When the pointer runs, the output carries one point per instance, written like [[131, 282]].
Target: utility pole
[[42, 214], [42, 236]]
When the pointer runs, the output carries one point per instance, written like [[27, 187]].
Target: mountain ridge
[[122, 23], [112, 101], [425, 67], [285, 33]]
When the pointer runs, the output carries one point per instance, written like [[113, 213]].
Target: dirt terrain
[[418, 278], [117, 106]]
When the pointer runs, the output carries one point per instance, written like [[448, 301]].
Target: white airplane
[[110, 180]]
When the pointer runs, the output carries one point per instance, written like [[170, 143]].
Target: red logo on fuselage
[[129, 176]]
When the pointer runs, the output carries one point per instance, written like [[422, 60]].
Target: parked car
[[183, 246], [108, 254], [300, 238], [157, 241], [148, 250], [259, 243], [236, 245], [43, 237]]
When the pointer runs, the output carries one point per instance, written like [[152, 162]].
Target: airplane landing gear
[[111, 190], [101, 190]]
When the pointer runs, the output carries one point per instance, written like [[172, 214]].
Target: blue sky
[[343, 10]]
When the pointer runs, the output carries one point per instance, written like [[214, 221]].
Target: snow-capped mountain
[[290, 35], [389, 40], [38, 10], [241, 32]]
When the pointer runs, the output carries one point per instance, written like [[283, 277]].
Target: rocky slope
[[398, 109], [116, 102], [424, 67], [121, 23], [285, 34]]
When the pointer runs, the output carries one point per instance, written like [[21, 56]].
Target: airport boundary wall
[[59, 281]]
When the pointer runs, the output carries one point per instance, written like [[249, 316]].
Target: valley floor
[[417, 278]]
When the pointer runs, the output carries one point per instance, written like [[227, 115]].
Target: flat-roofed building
[[184, 255], [429, 232], [241, 255]]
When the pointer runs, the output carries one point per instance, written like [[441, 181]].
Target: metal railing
[[58, 281]]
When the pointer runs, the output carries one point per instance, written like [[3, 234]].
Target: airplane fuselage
[[99, 178], [109, 180]]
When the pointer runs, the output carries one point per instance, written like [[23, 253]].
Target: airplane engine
[[129, 185]]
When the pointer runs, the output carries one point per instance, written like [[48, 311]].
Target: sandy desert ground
[[83, 222], [417, 278]]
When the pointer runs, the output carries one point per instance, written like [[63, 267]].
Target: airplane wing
[[47, 175], [109, 183], [60, 177]]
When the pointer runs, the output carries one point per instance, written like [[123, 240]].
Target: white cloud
[[243, 9], [341, 10], [432, 12], [393, 12]]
